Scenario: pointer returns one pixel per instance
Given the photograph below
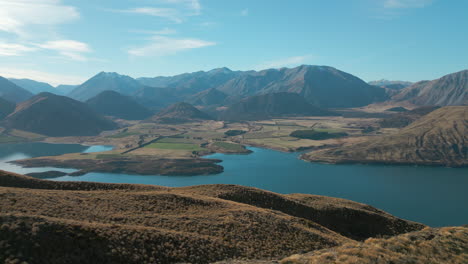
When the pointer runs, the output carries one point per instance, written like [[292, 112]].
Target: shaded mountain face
[[35, 87], [112, 103], [208, 97], [451, 89], [321, 86], [54, 115], [155, 98], [271, 105], [65, 89], [105, 81], [393, 85], [180, 113], [12, 92], [6, 108], [188, 84], [439, 138], [197, 224]]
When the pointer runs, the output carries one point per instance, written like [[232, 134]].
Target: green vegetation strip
[[316, 134], [175, 146], [229, 146]]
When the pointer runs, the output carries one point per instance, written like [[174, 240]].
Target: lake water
[[430, 195]]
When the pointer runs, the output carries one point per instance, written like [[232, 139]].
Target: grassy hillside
[[439, 138], [50, 222]]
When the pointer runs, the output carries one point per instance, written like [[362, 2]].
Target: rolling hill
[[105, 81], [439, 138], [85, 222], [52, 115], [12, 92], [207, 98], [451, 89], [271, 105], [112, 103], [35, 87], [180, 113]]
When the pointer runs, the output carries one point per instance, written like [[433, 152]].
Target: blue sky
[[64, 41]]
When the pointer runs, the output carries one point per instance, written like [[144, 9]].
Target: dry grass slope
[[48, 222]]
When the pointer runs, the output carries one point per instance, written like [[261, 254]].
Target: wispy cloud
[[397, 4], [14, 49], [173, 10], [244, 12], [51, 78], [71, 49], [169, 13], [164, 31], [17, 15], [163, 46], [285, 62]]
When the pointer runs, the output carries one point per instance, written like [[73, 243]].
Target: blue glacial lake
[[430, 195]]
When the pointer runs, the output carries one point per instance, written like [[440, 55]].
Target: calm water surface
[[434, 196]]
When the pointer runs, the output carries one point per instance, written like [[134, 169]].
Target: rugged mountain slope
[[12, 92], [112, 103], [6, 108], [155, 98], [48, 222], [451, 89], [54, 115], [271, 105], [105, 81], [207, 98], [35, 87], [439, 138], [180, 113], [191, 83], [65, 89], [404, 118], [447, 245], [320, 85]]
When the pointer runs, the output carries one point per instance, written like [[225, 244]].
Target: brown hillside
[[448, 245], [439, 138], [53, 222]]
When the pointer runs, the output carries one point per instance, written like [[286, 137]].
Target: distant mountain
[[105, 81], [180, 113], [112, 103], [208, 97], [271, 105], [12, 92], [6, 108], [192, 83], [35, 87], [451, 89], [439, 138], [65, 89], [155, 98], [52, 115], [394, 85], [321, 86]]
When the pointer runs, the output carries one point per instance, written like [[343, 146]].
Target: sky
[[67, 42]]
